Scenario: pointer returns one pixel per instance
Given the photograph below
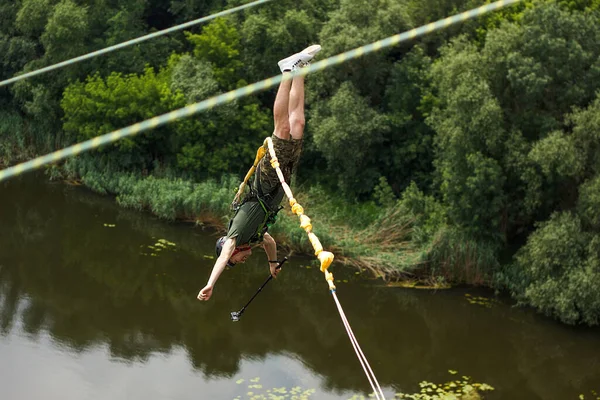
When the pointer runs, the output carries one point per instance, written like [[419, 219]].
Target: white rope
[[359, 353], [129, 43]]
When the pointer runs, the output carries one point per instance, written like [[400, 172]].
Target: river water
[[99, 302]]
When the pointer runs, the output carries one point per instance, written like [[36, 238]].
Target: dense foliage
[[482, 139]]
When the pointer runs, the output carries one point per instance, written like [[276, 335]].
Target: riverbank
[[366, 236]]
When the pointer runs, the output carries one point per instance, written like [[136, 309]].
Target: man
[[250, 222]]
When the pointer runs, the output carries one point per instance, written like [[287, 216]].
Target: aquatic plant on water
[[459, 389]]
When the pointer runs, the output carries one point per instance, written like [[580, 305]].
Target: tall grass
[[385, 240], [460, 258], [13, 141], [389, 241], [359, 233], [168, 198], [22, 139]]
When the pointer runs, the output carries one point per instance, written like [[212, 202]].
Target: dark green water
[[84, 314]]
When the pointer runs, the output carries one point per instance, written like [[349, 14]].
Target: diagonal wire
[[129, 43], [247, 90]]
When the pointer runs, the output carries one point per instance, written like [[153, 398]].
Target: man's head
[[240, 254]]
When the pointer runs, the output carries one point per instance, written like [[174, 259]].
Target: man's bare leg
[[281, 115], [296, 107]]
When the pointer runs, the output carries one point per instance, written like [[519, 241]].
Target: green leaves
[[15, 52], [193, 77], [588, 204], [564, 158], [543, 66], [100, 106], [470, 141], [65, 33], [219, 44], [558, 156], [348, 134], [33, 16], [265, 42], [586, 135], [560, 270]]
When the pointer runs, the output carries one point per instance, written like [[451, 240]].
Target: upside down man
[[249, 225]]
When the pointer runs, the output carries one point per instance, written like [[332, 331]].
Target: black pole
[[236, 315]]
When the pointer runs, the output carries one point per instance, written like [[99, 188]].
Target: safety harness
[[262, 199]]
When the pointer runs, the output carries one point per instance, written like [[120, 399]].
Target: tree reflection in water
[[64, 272]]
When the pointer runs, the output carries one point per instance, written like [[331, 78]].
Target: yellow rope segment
[[325, 257], [259, 155]]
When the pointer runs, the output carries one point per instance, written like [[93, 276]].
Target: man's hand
[[205, 293], [274, 267], [220, 264]]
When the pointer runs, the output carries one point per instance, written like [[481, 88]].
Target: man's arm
[[271, 249], [220, 264]]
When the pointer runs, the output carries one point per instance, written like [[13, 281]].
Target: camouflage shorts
[[288, 154]]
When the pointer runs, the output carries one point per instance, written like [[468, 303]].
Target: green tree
[[587, 5], [559, 269], [266, 43], [99, 106], [224, 139], [588, 204], [500, 101], [15, 53], [8, 13], [219, 44], [407, 153], [65, 33], [586, 136], [32, 17], [193, 77], [186, 10], [469, 142], [557, 156], [63, 37], [543, 66], [348, 133], [356, 23], [122, 21]]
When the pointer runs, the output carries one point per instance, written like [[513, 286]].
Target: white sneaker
[[299, 60]]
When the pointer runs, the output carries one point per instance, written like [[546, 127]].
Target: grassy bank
[[13, 140], [387, 240]]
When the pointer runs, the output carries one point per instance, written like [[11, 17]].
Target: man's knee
[[282, 129]]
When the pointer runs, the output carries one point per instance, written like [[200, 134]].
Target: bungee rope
[[129, 43], [245, 91], [325, 257], [359, 353]]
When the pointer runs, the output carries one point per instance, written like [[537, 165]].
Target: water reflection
[[70, 280]]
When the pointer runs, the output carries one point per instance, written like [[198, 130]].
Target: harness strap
[[259, 196]]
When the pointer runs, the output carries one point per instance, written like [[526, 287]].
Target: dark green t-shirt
[[251, 215], [245, 223]]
